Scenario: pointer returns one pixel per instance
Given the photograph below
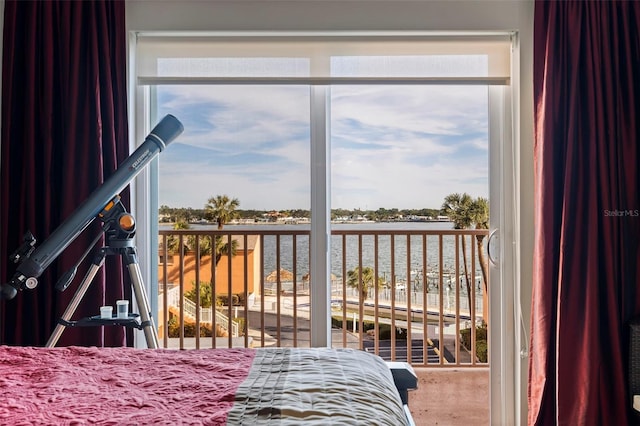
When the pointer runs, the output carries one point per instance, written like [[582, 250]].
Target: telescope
[[33, 261]]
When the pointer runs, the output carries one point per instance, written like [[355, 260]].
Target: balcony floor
[[451, 397]]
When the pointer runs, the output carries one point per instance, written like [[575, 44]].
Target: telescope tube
[[33, 266]]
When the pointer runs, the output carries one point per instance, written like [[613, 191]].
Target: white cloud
[[284, 189], [404, 147]]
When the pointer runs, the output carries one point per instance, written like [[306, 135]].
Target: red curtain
[[586, 283], [64, 131]]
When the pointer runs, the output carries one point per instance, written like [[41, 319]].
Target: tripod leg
[[77, 298], [149, 327]]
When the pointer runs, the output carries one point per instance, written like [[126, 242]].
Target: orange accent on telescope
[[126, 222]]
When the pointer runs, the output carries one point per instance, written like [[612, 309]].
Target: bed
[[128, 386]]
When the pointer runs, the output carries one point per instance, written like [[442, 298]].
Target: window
[[315, 69]]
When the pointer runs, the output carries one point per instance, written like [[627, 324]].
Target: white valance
[[322, 58]]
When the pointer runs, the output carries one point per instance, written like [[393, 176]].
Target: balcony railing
[[407, 295]]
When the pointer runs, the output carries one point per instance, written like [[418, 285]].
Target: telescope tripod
[[119, 229]]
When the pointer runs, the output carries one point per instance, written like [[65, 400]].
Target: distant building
[[221, 276]]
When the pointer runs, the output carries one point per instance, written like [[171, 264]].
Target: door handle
[[492, 234]]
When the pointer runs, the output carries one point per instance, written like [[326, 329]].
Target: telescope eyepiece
[[8, 292]]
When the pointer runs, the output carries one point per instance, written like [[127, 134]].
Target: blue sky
[[391, 146]]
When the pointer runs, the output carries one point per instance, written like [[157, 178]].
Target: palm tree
[[466, 212], [222, 209], [173, 242], [221, 244], [458, 208], [479, 213], [222, 247], [368, 281]]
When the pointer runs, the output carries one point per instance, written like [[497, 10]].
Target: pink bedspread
[[119, 386], [253, 387]]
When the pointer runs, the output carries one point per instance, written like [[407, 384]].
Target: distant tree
[[466, 212], [458, 208], [222, 247], [181, 224], [183, 214], [479, 212], [425, 212], [300, 213], [336, 213], [375, 216], [198, 214], [222, 209], [250, 214], [367, 283], [189, 241], [174, 244], [165, 213], [206, 298], [204, 243]]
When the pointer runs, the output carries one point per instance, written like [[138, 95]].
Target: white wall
[[378, 15]]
